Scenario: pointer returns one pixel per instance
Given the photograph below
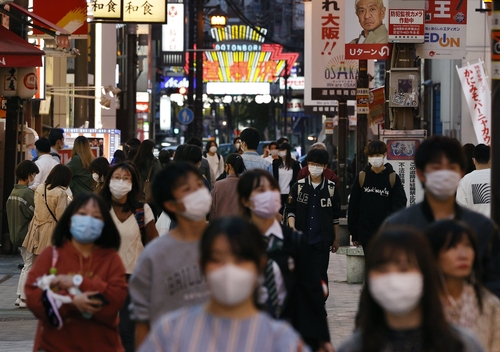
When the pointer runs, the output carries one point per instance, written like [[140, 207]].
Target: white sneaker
[[18, 300], [22, 304]]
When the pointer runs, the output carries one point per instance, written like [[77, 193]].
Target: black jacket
[[329, 212], [276, 172], [304, 304], [371, 205]]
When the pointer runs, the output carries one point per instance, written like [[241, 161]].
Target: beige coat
[[43, 224]]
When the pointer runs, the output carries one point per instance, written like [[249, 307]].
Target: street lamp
[[218, 18]]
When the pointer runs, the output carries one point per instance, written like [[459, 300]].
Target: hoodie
[[371, 204]]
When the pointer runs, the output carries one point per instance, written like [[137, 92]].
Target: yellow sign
[[145, 11], [102, 10]]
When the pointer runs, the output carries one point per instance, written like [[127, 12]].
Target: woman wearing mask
[[400, 308], [224, 203], [465, 301], [237, 145], [285, 171], [215, 161], [88, 273], [81, 157], [136, 226], [292, 288], [99, 168], [232, 257], [148, 166], [376, 193], [51, 201]]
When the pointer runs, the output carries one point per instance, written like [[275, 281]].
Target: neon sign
[[241, 56]]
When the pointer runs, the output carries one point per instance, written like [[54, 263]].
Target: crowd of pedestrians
[[197, 252]]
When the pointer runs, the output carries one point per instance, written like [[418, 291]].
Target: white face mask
[[119, 189], [213, 149], [95, 176], [266, 204], [231, 285], [315, 171], [30, 183], [376, 161], [197, 204], [282, 154], [442, 183], [397, 293], [273, 152], [237, 145]]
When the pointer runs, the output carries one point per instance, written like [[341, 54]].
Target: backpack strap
[[139, 217], [361, 178], [392, 178]]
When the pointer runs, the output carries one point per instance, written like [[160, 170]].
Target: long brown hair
[[81, 147]]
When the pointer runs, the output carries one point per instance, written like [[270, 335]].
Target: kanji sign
[[129, 11], [173, 31], [406, 26], [368, 51], [106, 10], [478, 96]]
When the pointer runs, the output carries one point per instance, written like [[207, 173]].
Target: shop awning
[[17, 52]]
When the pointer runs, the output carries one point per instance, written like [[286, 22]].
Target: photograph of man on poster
[[371, 14]]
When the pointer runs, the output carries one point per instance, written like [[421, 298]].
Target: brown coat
[[225, 198]]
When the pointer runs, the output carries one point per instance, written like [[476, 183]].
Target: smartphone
[[100, 297]]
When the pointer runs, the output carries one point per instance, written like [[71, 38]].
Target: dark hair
[[245, 240], [273, 143], [375, 147], [99, 165], [251, 180], [386, 247], [251, 137], [133, 196], [195, 141], [482, 153], [319, 156], [468, 150], [236, 162], [43, 145], [236, 139], [209, 144], [444, 235], [281, 141], [118, 157], [288, 162], [178, 152], [145, 156], [131, 148], [191, 154], [55, 135], [164, 157], [60, 175], [434, 148], [26, 168], [110, 237], [170, 178], [265, 145]]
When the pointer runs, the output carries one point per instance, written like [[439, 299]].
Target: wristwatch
[[77, 280]]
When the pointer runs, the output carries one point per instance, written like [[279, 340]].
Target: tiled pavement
[[17, 326]]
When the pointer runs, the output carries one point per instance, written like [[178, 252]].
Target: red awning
[[17, 52]]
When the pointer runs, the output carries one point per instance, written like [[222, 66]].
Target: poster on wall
[[445, 30], [401, 147]]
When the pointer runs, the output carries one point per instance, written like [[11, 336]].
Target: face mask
[[231, 285], [274, 152], [397, 293], [442, 183], [237, 145], [282, 154], [266, 204], [95, 176], [315, 171], [30, 183], [85, 228], [213, 149], [119, 189], [376, 161], [197, 204]]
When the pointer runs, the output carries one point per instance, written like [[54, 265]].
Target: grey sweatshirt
[[166, 277]]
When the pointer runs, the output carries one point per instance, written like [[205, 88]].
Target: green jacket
[[20, 208], [82, 178]]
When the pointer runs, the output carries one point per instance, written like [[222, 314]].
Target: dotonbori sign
[[128, 11], [241, 56]]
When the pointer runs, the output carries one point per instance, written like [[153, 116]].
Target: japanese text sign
[[173, 31], [445, 30], [406, 26], [478, 96], [103, 10], [129, 11], [368, 51]]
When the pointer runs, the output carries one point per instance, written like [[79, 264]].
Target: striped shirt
[[194, 329]]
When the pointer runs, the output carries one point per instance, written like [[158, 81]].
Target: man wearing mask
[[56, 138], [237, 145], [376, 193], [167, 275], [328, 173], [273, 152], [314, 209], [440, 165]]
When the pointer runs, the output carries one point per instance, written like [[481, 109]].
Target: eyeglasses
[[124, 178]]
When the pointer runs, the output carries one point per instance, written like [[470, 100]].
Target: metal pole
[[285, 100], [342, 151], [495, 118], [190, 96], [131, 120], [81, 80], [362, 122], [198, 101]]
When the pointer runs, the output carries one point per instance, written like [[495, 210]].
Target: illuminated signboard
[[241, 56], [173, 32], [102, 10], [128, 11]]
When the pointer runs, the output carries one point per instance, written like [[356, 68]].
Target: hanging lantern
[[8, 81], [28, 83]]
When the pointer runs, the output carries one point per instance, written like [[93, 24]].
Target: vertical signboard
[[478, 97], [330, 76], [445, 30], [173, 31]]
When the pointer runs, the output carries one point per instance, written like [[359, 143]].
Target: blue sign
[[185, 116]]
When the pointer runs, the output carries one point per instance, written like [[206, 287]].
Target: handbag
[[147, 188]]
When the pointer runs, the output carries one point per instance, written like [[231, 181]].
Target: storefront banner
[[445, 30], [478, 96]]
